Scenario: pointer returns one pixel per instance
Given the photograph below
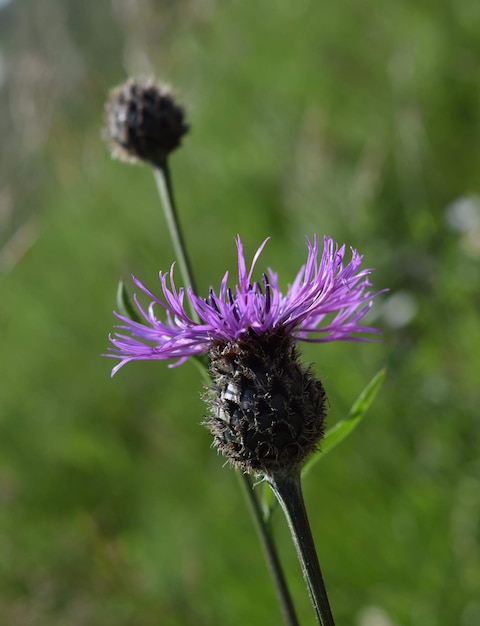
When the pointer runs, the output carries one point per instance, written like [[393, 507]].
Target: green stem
[[270, 550], [165, 190], [287, 487]]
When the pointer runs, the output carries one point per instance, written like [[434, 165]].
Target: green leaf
[[344, 427], [124, 304], [201, 363], [268, 502]]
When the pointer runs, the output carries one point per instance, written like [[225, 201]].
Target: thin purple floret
[[326, 302]]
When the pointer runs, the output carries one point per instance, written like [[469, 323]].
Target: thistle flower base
[[267, 409]]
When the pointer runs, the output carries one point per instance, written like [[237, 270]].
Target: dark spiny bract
[[267, 409]]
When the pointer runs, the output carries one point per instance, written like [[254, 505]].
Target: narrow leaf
[[268, 501], [124, 304], [344, 427], [201, 363]]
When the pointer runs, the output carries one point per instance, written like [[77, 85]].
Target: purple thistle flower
[[326, 302]]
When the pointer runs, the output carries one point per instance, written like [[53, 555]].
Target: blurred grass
[[359, 121]]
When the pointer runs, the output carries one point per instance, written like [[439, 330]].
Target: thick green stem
[[270, 550], [288, 489]]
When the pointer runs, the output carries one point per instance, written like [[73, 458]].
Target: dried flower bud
[[144, 122], [268, 410]]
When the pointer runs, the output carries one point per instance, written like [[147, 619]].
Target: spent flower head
[[267, 409], [144, 121]]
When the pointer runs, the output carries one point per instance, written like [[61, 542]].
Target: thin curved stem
[[165, 189], [287, 487], [270, 550]]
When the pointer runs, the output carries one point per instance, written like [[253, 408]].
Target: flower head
[[144, 121], [267, 410], [326, 302]]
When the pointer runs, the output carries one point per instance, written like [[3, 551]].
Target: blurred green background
[[358, 120]]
